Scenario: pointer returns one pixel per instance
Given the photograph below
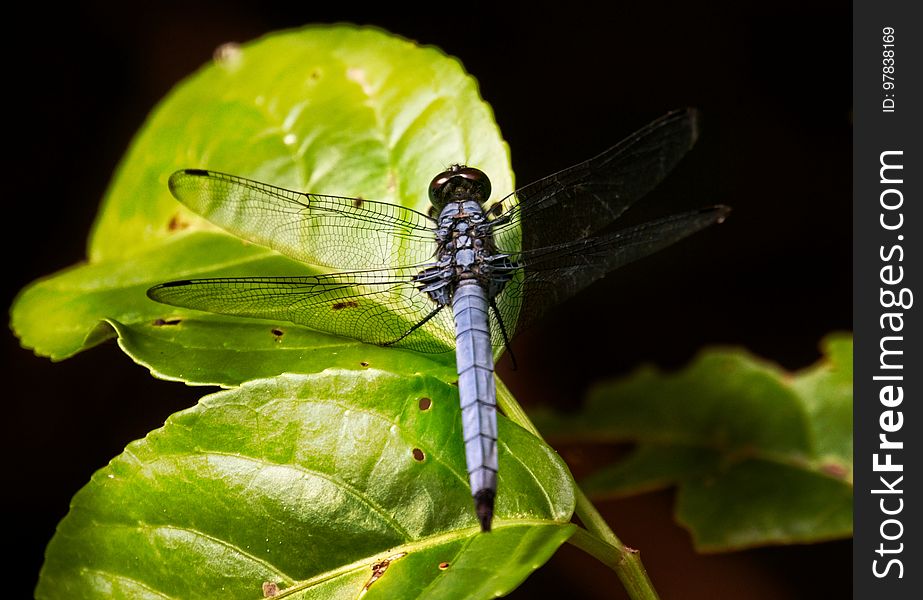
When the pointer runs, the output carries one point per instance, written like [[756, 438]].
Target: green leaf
[[826, 391], [332, 110], [756, 502], [306, 482], [253, 350], [761, 456], [85, 305]]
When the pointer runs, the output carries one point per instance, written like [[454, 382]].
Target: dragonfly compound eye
[[459, 183]]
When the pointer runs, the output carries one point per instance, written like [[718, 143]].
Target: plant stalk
[[597, 539], [626, 562]]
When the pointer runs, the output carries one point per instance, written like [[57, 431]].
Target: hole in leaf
[[277, 332], [425, 403], [418, 455], [170, 321]]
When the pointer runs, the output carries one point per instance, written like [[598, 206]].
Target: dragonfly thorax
[[465, 251]]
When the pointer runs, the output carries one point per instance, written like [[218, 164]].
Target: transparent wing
[[385, 307], [553, 274], [583, 199], [378, 307], [341, 233]]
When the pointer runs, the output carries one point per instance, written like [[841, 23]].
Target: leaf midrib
[[418, 546]]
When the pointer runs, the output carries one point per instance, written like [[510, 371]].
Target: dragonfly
[[469, 275]]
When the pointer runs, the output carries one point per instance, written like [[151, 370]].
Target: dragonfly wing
[[552, 275], [341, 233], [377, 307], [583, 199]]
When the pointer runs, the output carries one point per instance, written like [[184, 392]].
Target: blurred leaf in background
[[760, 455]]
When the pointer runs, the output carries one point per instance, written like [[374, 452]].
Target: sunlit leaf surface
[[310, 483], [331, 110]]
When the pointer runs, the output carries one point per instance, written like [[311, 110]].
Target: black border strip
[[888, 299]]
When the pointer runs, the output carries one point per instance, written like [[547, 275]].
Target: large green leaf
[[332, 110], [83, 306], [307, 482], [760, 455]]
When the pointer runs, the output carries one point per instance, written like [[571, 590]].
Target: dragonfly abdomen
[[477, 393]]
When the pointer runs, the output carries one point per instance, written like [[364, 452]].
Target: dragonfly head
[[458, 183]]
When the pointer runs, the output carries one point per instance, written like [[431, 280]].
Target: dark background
[[565, 82]]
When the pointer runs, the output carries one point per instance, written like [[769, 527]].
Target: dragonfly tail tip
[[484, 506]]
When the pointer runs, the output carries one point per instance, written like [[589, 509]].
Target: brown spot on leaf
[[835, 470], [443, 566], [364, 364], [277, 332], [425, 403], [270, 589], [418, 455], [177, 223], [165, 322], [345, 304], [378, 571]]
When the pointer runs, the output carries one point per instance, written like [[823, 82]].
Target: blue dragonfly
[[469, 275]]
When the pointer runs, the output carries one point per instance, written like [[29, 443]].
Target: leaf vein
[[199, 533], [551, 506], [356, 493], [117, 577]]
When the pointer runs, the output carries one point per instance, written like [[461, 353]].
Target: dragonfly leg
[[419, 324], [506, 338]]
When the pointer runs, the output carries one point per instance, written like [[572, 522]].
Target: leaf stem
[[598, 539], [626, 562]]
